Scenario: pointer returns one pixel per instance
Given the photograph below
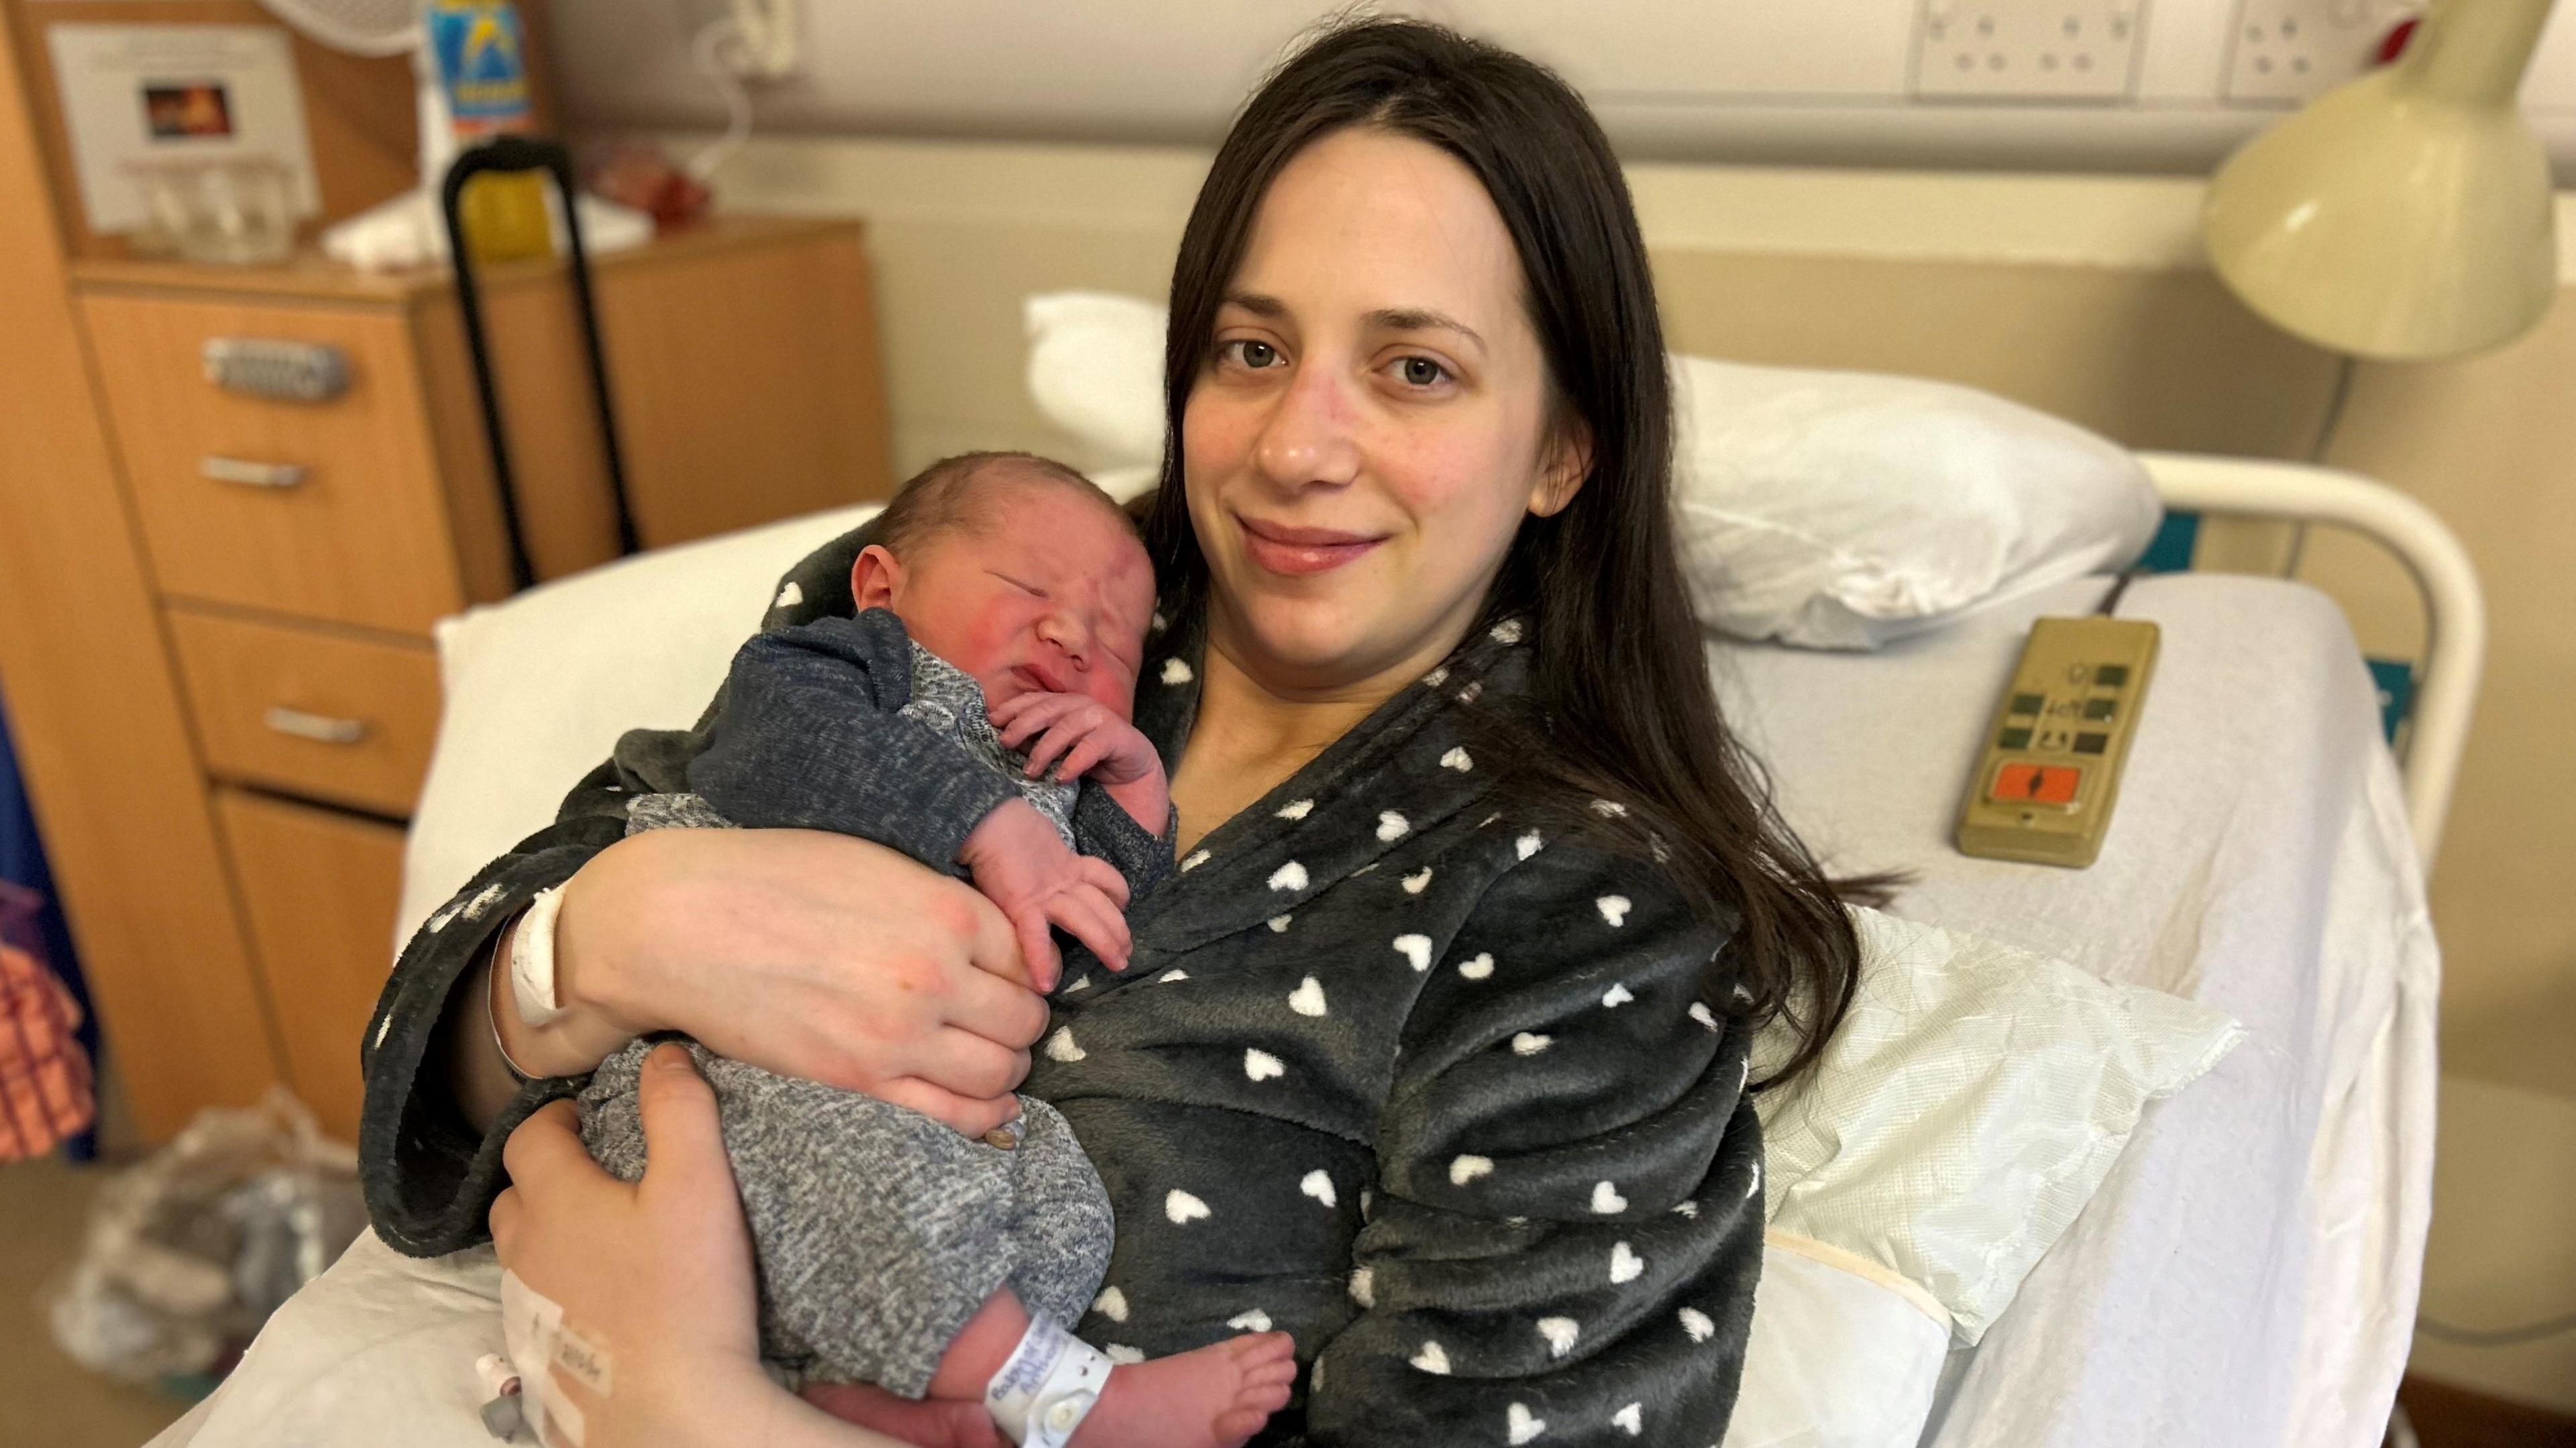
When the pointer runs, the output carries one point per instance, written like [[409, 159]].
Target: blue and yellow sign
[[482, 63]]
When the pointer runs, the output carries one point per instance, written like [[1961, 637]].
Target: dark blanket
[[1405, 1075]]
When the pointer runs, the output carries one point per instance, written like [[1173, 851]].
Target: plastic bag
[[188, 1252]]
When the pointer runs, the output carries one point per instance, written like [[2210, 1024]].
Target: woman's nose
[[1308, 436]]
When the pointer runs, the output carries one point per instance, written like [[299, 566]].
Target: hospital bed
[[2247, 1274]]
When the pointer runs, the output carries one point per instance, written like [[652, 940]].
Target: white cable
[[706, 49]]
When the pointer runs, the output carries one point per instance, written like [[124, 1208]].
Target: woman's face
[[1370, 425]]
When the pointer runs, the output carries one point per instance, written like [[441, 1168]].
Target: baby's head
[[1018, 571]]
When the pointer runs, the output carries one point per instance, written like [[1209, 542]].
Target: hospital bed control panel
[[2049, 773]]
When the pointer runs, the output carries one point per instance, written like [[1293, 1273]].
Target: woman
[[1433, 1055]]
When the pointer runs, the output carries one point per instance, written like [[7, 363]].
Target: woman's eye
[[1248, 353], [1422, 372]]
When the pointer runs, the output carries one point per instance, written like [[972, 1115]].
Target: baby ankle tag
[[1046, 1387]]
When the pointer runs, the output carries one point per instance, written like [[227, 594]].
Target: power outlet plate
[[2287, 52], [2031, 50]]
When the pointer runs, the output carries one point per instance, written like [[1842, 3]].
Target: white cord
[[707, 51]]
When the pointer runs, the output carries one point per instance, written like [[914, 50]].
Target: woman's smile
[[1296, 552]]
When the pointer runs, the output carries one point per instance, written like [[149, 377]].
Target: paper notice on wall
[[135, 95]]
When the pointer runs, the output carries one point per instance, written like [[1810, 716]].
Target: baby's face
[[1045, 592]]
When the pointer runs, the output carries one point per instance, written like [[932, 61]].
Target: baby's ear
[[874, 578]]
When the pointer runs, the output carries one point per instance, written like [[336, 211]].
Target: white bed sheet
[[2248, 1273]]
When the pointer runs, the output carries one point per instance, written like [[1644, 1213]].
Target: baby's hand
[[1022, 865], [1081, 736]]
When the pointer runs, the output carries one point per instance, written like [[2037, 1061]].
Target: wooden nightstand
[[299, 552]]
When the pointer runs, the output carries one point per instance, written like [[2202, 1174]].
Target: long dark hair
[[1621, 691]]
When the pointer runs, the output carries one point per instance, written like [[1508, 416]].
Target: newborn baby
[[1003, 609]]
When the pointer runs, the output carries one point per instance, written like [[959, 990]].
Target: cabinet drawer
[[314, 712], [329, 510], [321, 890]]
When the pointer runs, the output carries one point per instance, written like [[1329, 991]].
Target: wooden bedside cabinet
[[298, 552]]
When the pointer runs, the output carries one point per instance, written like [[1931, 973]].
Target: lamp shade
[[2405, 215]]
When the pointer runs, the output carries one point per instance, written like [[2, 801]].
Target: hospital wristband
[[532, 960]]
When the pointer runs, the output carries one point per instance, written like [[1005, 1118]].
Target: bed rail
[[2455, 611]]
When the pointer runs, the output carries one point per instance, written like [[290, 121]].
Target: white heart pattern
[[1255, 1320], [1632, 1418], [1175, 671], [1698, 1324], [1319, 1185], [1196, 859], [1414, 883], [1391, 826], [1111, 1304], [790, 596], [1467, 1168], [1614, 908], [1615, 997], [1606, 1200], [1308, 998], [1278, 924], [1507, 632], [1183, 1208], [1364, 1287], [1416, 949], [1123, 1355], [1457, 759], [1686, 1209], [1560, 1333], [1061, 1046], [1290, 876], [1530, 1043], [1432, 1359], [1625, 1266], [1755, 1184], [1523, 1427], [1700, 1012], [1169, 976], [1609, 809], [1479, 968], [1526, 845], [1080, 984], [1260, 1065], [1296, 809], [1436, 677]]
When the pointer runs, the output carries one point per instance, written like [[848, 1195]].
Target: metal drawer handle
[[250, 474], [320, 728]]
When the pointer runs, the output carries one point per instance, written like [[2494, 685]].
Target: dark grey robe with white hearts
[[1394, 1070]]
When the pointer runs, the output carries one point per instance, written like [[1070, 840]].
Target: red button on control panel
[[2037, 783]]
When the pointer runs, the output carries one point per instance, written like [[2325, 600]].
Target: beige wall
[[2080, 295]]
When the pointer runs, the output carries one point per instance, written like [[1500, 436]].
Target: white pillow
[[1846, 509], [1825, 509], [1843, 1353], [1967, 1108]]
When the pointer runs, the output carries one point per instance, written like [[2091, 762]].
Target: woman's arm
[[656, 1278], [808, 954], [1568, 1219]]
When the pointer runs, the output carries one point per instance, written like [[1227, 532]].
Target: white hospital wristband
[[1046, 1387], [532, 959]]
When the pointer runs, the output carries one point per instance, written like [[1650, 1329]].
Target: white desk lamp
[[2406, 215]]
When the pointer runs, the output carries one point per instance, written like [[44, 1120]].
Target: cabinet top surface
[[310, 276]]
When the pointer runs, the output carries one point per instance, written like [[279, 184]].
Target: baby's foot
[[1215, 1397], [929, 1423]]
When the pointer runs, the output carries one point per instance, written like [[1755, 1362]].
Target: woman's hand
[[656, 1278], [808, 954]]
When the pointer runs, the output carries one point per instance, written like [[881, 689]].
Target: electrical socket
[[2041, 50], [766, 32], [2285, 52]]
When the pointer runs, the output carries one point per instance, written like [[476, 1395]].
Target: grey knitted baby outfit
[[878, 1232]]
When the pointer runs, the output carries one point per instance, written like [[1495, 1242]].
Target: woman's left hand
[[655, 1277]]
